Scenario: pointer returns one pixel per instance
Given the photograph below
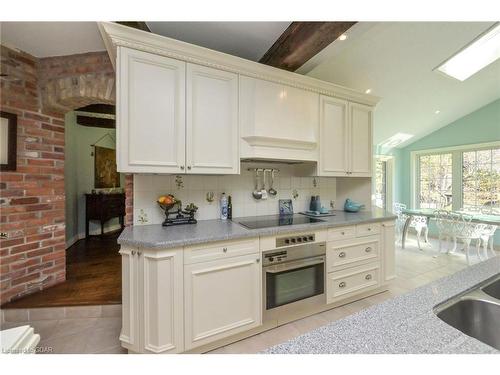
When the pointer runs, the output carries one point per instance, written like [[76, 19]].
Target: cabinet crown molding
[[115, 35]]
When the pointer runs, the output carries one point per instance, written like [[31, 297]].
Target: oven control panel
[[295, 240], [275, 257]]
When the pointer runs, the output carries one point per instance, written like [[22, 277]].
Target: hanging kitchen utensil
[[263, 191], [257, 193], [271, 190]]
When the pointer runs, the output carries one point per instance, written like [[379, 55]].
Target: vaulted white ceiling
[[396, 61], [249, 40]]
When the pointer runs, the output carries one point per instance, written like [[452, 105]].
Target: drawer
[[367, 229], [220, 250], [338, 255], [343, 233], [352, 281]]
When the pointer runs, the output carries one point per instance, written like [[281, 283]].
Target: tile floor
[[95, 329]]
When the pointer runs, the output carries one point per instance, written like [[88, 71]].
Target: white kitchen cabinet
[[150, 113], [360, 140], [152, 300], [345, 138], [333, 135], [278, 121], [212, 136], [221, 298], [388, 245]]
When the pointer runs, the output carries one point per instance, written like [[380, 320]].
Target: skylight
[[477, 55], [395, 140]]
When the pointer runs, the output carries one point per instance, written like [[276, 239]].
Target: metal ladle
[[257, 194], [271, 190]]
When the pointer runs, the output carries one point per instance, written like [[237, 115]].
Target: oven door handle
[[296, 264]]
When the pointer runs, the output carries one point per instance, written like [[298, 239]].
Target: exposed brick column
[[32, 197], [129, 199]]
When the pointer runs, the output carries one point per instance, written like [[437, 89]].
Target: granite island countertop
[[157, 236], [405, 324]]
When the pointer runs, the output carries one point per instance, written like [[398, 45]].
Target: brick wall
[[32, 197], [129, 199], [40, 92]]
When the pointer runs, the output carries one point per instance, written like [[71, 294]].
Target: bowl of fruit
[[167, 202]]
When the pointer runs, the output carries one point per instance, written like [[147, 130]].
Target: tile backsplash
[[194, 188]]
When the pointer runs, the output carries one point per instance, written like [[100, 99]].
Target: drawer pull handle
[[368, 249], [342, 284], [368, 277], [342, 255], [224, 249], [139, 253], [133, 252]]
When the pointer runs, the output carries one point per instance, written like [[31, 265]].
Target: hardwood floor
[[93, 277]]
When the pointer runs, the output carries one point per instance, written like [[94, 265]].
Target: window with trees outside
[[481, 180], [381, 183], [435, 175]]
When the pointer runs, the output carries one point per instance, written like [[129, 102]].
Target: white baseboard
[[80, 236]]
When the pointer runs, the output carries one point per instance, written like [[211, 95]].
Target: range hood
[[278, 122]]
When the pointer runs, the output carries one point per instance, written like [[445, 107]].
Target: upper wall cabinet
[[212, 121], [278, 121], [175, 117], [150, 113], [345, 138]]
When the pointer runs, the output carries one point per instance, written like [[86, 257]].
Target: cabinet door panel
[[162, 295], [333, 137], [222, 298], [212, 121], [151, 113], [129, 335], [361, 140]]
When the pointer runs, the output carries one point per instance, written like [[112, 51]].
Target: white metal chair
[[419, 223], [486, 239], [459, 227], [397, 209], [445, 223]]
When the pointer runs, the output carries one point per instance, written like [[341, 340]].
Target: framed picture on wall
[[105, 173], [8, 141]]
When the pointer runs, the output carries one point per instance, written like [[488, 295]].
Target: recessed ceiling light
[[437, 111], [367, 91], [343, 37], [474, 57]]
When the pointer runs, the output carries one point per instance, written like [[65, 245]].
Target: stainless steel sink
[[476, 313], [493, 289]]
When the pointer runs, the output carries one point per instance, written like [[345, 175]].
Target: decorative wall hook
[[210, 196]]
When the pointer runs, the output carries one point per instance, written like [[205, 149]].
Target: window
[[481, 180], [435, 181], [381, 183]]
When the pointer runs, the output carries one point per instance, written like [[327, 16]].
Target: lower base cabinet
[[152, 300], [221, 298]]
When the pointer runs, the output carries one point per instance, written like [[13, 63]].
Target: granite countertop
[[404, 324], [156, 236]]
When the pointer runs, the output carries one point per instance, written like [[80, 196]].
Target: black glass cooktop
[[258, 222]]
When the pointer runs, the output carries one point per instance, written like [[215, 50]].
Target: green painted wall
[[480, 126], [79, 174]]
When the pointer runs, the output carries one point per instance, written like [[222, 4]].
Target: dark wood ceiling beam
[[141, 25], [96, 122], [301, 41]]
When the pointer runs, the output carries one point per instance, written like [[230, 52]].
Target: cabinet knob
[[139, 253], [342, 255], [257, 260], [369, 229], [368, 249], [224, 249], [189, 167], [133, 252], [368, 277], [342, 284], [182, 167], [342, 233]]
